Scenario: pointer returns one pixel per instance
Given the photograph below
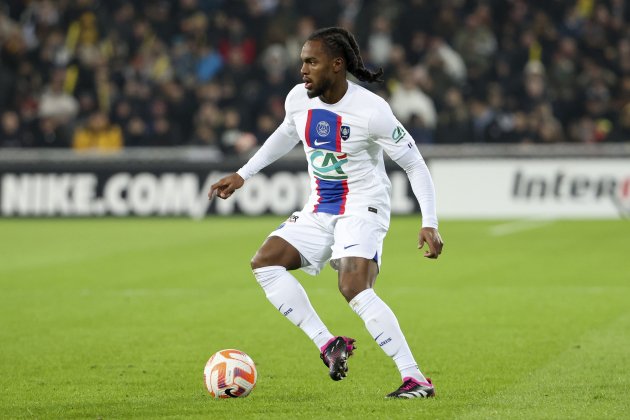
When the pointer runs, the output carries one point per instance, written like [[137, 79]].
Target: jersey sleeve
[[390, 134], [279, 143], [421, 184]]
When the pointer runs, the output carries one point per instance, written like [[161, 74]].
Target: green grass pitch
[[116, 319]]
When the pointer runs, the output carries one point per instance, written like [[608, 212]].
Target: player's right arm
[[226, 186], [277, 145]]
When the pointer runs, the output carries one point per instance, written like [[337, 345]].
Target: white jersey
[[344, 145]]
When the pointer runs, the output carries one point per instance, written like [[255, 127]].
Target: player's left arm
[[400, 146], [422, 186]]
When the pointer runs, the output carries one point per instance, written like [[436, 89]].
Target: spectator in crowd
[[380, 41], [456, 71], [232, 131], [454, 124], [98, 134], [477, 42], [621, 132], [55, 102], [408, 99], [10, 127]]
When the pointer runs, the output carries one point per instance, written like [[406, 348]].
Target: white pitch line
[[517, 226]]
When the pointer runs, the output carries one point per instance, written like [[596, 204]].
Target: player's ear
[[338, 64]]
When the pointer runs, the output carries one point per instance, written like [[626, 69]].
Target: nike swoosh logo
[[350, 246], [280, 308], [376, 338], [319, 143], [229, 393]]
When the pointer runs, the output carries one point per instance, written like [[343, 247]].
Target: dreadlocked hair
[[340, 42]]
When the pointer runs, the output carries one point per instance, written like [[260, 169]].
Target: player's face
[[317, 68]]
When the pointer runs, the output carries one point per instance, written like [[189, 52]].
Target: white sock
[[289, 297], [382, 324]]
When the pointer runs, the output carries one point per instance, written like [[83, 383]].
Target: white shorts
[[319, 237]]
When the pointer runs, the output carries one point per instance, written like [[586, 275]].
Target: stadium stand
[[106, 75]]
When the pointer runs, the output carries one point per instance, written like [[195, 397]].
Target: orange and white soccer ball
[[230, 374]]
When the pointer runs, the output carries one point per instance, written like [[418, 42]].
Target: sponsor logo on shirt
[[328, 165], [398, 134]]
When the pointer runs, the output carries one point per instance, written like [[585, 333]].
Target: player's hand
[[226, 186], [433, 239]]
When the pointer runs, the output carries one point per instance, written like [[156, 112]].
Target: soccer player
[[344, 129]]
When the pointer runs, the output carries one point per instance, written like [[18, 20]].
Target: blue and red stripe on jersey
[[332, 196], [323, 131], [316, 134]]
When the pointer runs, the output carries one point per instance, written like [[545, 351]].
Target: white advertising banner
[[111, 193], [524, 188]]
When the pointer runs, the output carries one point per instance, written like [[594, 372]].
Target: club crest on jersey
[[323, 128], [345, 132]]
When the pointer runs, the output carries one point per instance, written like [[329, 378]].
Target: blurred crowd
[[104, 75]]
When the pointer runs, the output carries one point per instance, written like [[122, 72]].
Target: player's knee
[[355, 276], [258, 261], [350, 289], [276, 251], [264, 258]]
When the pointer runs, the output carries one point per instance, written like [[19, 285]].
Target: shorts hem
[[312, 269]]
